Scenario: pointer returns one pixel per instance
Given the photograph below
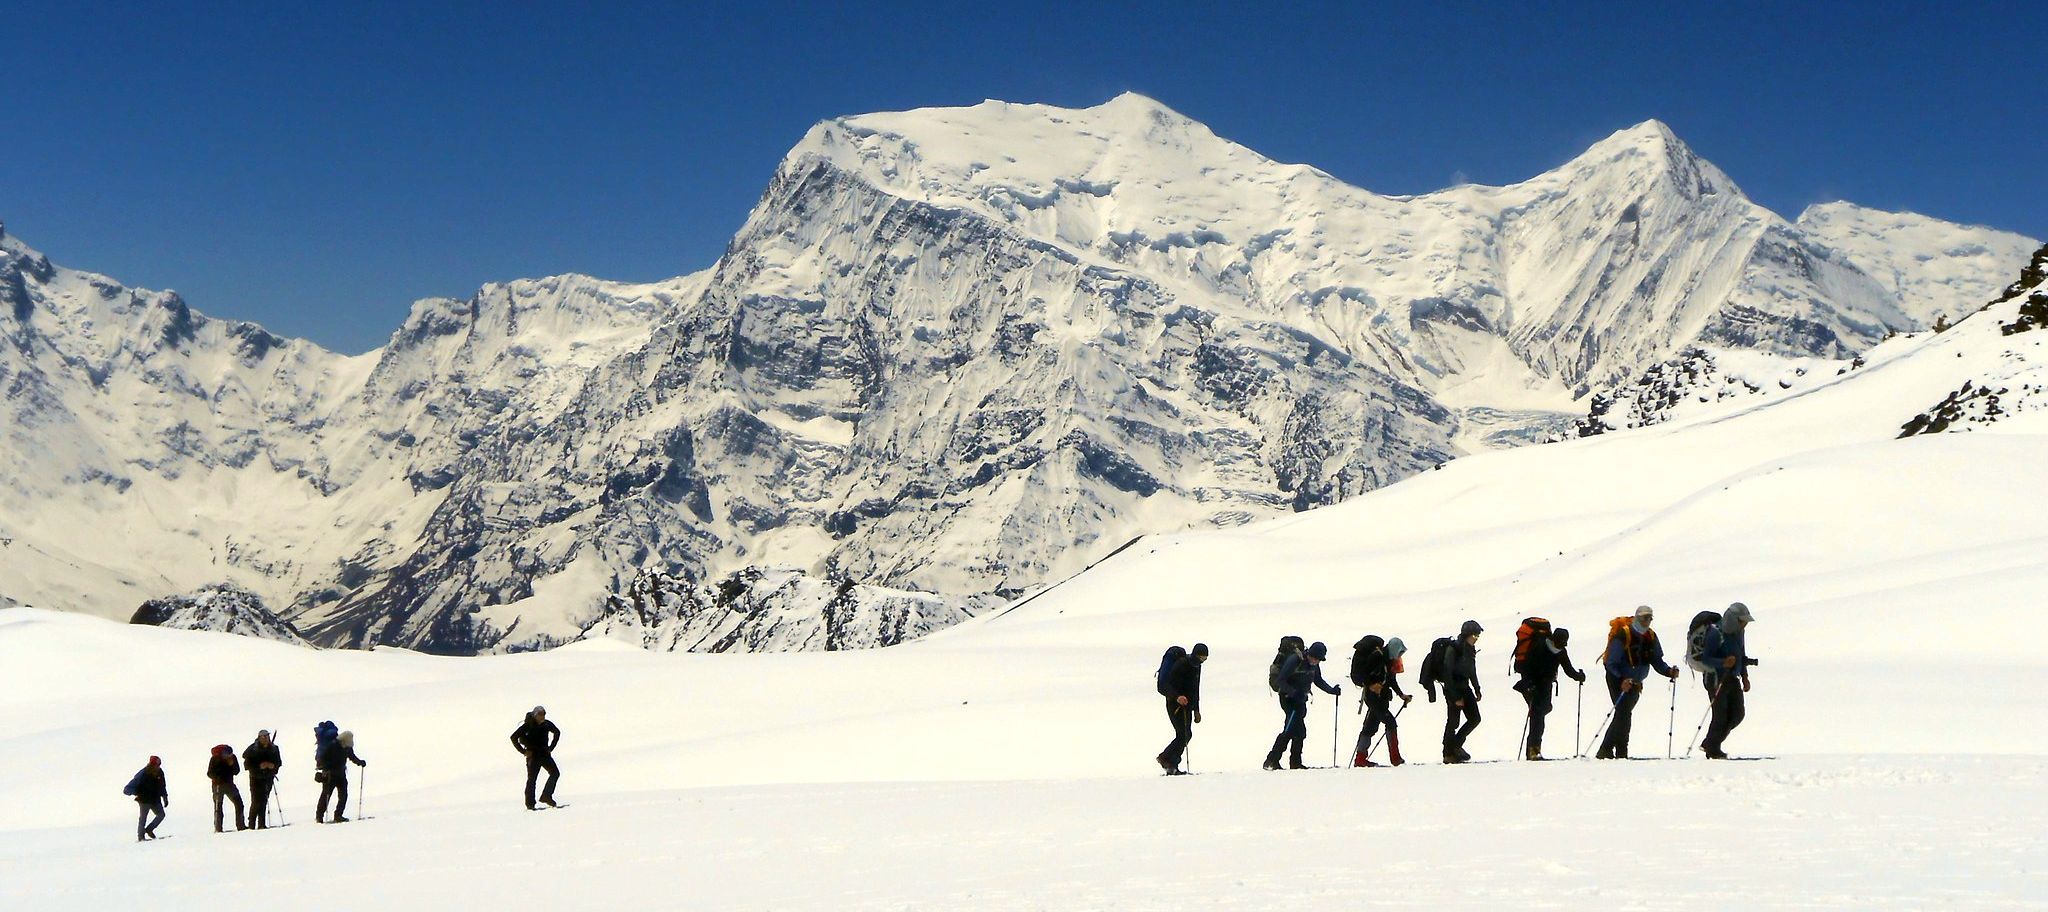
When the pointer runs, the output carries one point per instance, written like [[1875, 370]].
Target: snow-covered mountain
[[221, 608], [961, 352]]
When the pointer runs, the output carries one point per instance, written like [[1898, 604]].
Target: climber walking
[[1375, 668], [1726, 654], [152, 795], [221, 770], [1294, 674], [1462, 694], [1539, 656], [1632, 650], [1181, 684], [536, 738], [332, 758]]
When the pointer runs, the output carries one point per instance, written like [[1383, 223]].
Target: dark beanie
[[1318, 651], [1560, 636], [1201, 649]]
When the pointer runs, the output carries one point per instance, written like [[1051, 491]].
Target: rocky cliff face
[[957, 352]]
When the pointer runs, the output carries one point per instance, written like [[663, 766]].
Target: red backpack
[[1525, 637]]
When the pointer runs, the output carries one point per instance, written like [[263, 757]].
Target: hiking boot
[[550, 802], [1272, 763], [1464, 756], [1534, 753], [1361, 760], [340, 819], [1451, 756], [1604, 753], [1715, 753], [1294, 763], [1169, 767], [1394, 748]]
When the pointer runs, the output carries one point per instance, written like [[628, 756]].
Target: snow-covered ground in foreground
[[1005, 763]]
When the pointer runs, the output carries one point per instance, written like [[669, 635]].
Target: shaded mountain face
[[960, 352]]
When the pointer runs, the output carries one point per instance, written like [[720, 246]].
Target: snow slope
[[1005, 762]]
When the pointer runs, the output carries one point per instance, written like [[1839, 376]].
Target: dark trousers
[[228, 791], [1183, 731], [1455, 734], [1539, 697], [535, 762], [1616, 740], [336, 786], [259, 798], [1293, 733], [1377, 713], [144, 809], [1728, 711]]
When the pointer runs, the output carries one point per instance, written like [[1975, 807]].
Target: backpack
[[1617, 629], [1289, 646], [1166, 662], [1696, 641], [1432, 671], [1361, 657], [323, 734], [134, 785], [1525, 637]]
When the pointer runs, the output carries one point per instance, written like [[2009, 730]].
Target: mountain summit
[[953, 352]]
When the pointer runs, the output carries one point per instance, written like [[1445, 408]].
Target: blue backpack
[[1166, 662], [134, 785], [323, 735]]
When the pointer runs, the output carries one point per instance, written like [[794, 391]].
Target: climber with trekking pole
[[1723, 659], [1632, 651], [1375, 669], [1539, 656], [1293, 672], [1180, 682]]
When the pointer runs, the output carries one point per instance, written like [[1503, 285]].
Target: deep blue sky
[[316, 171]]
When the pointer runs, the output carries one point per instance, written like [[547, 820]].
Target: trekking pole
[[1335, 706], [1579, 719], [1603, 722], [1383, 734], [1671, 726]]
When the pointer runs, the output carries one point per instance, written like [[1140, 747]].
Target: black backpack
[[1696, 640], [1432, 671], [1289, 646], [1362, 657], [1166, 662]]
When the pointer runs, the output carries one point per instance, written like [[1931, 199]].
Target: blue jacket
[[1296, 674], [1719, 646], [1631, 654]]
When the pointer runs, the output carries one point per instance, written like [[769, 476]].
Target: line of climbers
[[1715, 648], [333, 751]]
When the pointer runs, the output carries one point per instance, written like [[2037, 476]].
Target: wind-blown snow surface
[[1005, 762], [961, 351]]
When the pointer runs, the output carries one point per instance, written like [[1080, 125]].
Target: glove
[[1406, 699], [1580, 677], [1198, 715], [1338, 692]]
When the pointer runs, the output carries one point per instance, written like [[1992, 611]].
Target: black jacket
[[223, 768], [1296, 674], [1544, 661], [255, 755], [150, 786], [334, 758], [1378, 669], [1461, 671], [1184, 679], [533, 737]]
